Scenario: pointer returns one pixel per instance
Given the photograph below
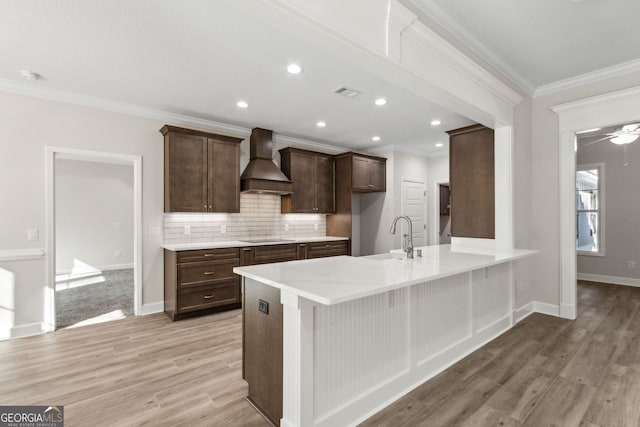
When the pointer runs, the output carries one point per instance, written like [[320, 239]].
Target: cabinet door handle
[[370, 185], [208, 296], [205, 206], [206, 273], [210, 206], [209, 254]]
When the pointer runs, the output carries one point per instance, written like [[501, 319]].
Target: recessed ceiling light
[[375, 138], [294, 69], [381, 101], [321, 124], [242, 104], [30, 75], [587, 131], [435, 122], [439, 145]]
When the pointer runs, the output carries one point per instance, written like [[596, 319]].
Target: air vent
[[346, 92]]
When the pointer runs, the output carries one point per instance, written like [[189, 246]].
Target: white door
[[414, 206]]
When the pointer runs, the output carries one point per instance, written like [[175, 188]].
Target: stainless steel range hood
[[261, 174]]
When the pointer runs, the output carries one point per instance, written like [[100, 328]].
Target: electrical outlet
[[223, 229], [154, 231], [187, 230], [117, 253], [32, 234], [286, 227], [315, 227], [631, 264]]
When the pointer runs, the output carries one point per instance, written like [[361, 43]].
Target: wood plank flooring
[[546, 371], [134, 372]]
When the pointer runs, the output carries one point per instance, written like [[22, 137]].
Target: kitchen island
[[358, 333]]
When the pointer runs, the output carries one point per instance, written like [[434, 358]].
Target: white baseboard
[[152, 308], [27, 330], [535, 307], [546, 308], [523, 312], [614, 280]]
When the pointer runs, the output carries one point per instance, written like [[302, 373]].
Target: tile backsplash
[[259, 218]]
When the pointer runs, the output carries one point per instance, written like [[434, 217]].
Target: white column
[[297, 381], [567, 175]]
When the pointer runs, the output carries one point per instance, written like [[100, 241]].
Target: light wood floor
[[151, 371], [134, 372], [545, 371]]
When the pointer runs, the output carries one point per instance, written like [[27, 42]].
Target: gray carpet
[[86, 301]]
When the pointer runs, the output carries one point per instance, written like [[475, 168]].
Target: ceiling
[[541, 42], [198, 58]]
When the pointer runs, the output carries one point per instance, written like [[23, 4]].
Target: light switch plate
[[286, 227], [187, 230], [154, 231], [315, 227], [223, 229]]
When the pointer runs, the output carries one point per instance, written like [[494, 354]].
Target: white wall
[[94, 214], [29, 124], [545, 267], [377, 210], [621, 210]]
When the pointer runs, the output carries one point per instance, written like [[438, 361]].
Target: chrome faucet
[[408, 248]]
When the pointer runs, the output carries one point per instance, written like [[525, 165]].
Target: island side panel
[[262, 348], [369, 351]]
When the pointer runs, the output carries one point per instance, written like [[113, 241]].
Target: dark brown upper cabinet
[[313, 178], [472, 182], [367, 174], [201, 171]]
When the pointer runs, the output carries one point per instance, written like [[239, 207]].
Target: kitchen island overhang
[[358, 333]]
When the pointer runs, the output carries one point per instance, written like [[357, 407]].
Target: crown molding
[[67, 97], [435, 13], [51, 94], [591, 77]]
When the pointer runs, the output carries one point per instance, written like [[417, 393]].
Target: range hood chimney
[[261, 174]]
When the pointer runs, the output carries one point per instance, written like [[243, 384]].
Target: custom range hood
[[262, 175]]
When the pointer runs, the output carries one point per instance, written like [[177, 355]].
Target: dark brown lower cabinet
[[262, 332], [200, 281]]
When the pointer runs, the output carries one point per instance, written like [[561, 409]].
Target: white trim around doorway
[[93, 156], [598, 111]]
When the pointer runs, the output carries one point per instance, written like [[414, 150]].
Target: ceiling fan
[[623, 136]]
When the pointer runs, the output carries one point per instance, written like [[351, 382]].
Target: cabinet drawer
[[198, 273], [275, 253], [201, 297], [207, 254], [327, 249]]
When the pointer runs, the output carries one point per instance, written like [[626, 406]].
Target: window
[[589, 210]]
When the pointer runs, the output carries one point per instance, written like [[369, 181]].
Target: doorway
[[599, 111], [414, 196], [93, 237], [443, 205]]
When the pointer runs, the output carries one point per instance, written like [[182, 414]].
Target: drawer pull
[[208, 296], [207, 273], [209, 254]]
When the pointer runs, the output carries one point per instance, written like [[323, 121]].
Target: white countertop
[[241, 244], [338, 279]]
